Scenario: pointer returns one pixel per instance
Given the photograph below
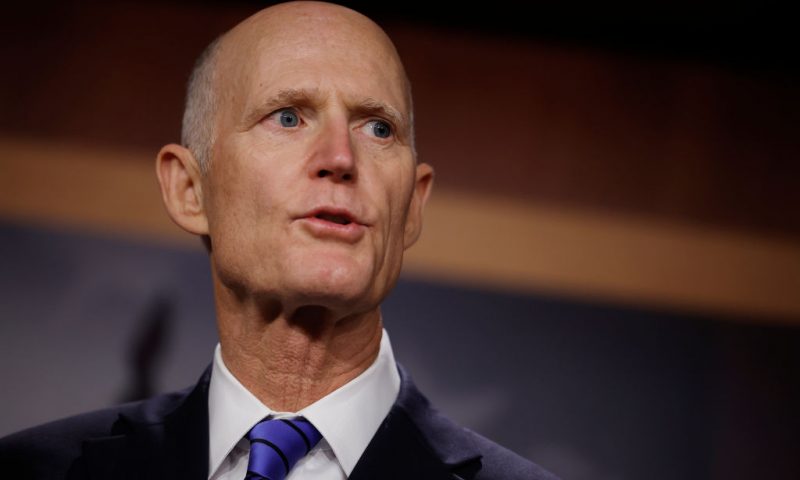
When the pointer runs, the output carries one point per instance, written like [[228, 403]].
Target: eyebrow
[[289, 97], [370, 107]]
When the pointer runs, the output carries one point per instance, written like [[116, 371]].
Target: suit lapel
[[415, 441], [158, 440], [399, 452]]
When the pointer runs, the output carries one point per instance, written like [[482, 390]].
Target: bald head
[[282, 37]]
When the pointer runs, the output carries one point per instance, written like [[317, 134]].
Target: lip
[[322, 228]]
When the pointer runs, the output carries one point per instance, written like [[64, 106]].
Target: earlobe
[[422, 189], [181, 189]]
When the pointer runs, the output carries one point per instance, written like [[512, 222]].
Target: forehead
[[345, 56]]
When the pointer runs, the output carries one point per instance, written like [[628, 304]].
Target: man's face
[[313, 192]]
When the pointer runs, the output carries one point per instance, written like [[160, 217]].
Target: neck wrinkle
[[290, 362]]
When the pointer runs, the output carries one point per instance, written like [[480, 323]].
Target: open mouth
[[332, 223], [330, 217]]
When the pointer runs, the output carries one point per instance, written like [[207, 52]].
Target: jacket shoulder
[[50, 450], [500, 462], [464, 451], [494, 461]]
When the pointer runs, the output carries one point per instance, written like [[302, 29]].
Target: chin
[[335, 285]]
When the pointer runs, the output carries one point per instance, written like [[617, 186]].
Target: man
[[298, 169]]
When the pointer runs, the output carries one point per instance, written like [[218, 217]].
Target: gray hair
[[197, 129]]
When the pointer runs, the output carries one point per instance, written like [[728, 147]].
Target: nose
[[334, 157]]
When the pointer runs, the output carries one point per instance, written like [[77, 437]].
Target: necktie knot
[[276, 445]]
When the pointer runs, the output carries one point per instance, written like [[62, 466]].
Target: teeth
[[333, 218]]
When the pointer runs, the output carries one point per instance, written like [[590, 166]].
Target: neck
[[291, 359]]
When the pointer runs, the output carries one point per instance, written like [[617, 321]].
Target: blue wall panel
[[590, 390]]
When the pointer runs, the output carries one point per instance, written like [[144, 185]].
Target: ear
[[181, 189], [422, 189]]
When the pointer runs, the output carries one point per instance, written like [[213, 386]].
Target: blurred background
[[611, 253]]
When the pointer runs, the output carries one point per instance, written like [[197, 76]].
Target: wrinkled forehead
[[329, 50]]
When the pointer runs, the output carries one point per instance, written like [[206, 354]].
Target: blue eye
[[380, 129], [288, 118]]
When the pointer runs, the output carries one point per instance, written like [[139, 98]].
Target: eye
[[379, 128], [288, 118]]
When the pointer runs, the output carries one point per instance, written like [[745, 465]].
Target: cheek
[[246, 182], [400, 192], [234, 207], [397, 200]]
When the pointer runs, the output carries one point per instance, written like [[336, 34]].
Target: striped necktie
[[276, 445]]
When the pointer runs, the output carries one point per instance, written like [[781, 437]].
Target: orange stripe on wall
[[99, 189], [588, 254], [472, 239]]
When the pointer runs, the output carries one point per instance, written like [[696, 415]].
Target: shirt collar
[[232, 412], [347, 417]]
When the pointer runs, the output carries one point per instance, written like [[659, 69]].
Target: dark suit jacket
[[167, 437]]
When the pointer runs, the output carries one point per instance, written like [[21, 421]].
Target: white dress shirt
[[347, 418]]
